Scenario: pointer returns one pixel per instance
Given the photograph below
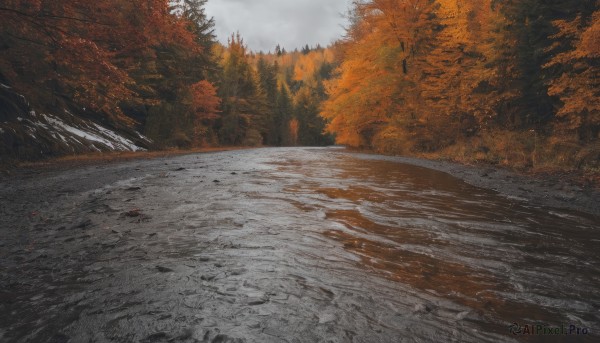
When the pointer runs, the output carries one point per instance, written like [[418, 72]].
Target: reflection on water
[[288, 245], [504, 260]]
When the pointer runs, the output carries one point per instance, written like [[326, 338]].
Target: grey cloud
[[290, 23]]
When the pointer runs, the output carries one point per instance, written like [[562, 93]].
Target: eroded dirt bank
[[288, 245]]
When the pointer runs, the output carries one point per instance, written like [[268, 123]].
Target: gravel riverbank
[[544, 190]]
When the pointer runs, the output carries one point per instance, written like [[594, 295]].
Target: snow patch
[[141, 136], [5, 86], [19, 119], [95, 148], [1, 130], [118, 139], [95, 134], [62, 138]]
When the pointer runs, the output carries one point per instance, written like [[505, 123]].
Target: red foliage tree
[[84, 50]]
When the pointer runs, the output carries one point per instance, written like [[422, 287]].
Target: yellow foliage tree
[[578, 86]]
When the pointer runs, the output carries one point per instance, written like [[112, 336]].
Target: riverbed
[[289, 245]]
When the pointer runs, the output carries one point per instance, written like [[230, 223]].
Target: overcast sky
[[291, 23]]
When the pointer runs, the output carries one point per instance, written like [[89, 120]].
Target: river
[[288, 245]]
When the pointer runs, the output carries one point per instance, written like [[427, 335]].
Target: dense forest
[[505, 82], [511, 82], [150, 67], [272, 99]]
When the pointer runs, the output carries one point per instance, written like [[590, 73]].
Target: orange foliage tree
[[578, 86], [293, 127], [423, 75], [205, 104], [83, 50], [376, 92]]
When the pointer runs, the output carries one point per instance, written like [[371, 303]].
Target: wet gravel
[[286, 245], [558, 191]]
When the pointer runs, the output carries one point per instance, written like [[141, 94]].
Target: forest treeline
[[512, 82], [155, 66], [506, 82], [268, 99], [271, 99]]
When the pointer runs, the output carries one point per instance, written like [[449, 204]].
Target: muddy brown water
[[287, 245]]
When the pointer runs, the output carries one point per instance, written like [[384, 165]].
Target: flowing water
[[288, 245]]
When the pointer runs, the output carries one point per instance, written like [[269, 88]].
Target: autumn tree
[[423, 76], [293, 127], [375, 93], [577, 84], [78, 48], [178, 81], [110, 59]]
